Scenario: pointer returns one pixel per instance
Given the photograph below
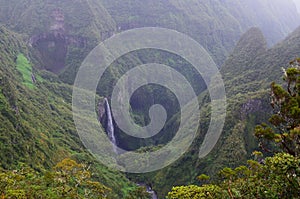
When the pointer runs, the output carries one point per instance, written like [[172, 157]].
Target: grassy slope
[[25, 68]]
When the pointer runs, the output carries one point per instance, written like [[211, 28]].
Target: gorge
[[55, 36]]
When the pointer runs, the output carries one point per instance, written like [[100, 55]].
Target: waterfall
[[111, 134], [110, 126]]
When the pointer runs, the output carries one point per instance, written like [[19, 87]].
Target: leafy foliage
[[193, 191], [36, 124], [247, 79], [68, 179], [286, 121], [84, 20]]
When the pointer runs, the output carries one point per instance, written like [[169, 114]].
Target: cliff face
[[38, 124], [53, 45], [297, 4], [275, 18]]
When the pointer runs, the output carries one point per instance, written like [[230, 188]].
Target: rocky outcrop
[[101, 112]]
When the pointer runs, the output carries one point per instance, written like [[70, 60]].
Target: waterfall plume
[[109, 125]]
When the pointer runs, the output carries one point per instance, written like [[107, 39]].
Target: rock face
[[53, 45], [106, 119], [110, 130], [53, 48], [101, 112]]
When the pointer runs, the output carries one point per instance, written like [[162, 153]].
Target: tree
[[68, 179], [72, 180], [193, 191], [286, 118], [138, 193]]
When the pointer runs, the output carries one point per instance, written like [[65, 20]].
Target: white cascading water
[[111, 134], [110, 126]]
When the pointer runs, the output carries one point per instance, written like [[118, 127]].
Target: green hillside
[[248, 74], [36, 125], [43, 43]]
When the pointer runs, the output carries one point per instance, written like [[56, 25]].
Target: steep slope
[[217, 25], [36, 125], [247, 84], [251, 45], [247, 75], [240, 69]]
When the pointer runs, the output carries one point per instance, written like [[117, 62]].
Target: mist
[[297, 2]]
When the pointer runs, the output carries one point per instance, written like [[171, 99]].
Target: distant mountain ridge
[[216, 24]]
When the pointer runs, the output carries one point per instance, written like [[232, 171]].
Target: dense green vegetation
[[67, 179], [144, 97], [271, 177], [36, 125], [277, 177], [247, 79], [216, 25]]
